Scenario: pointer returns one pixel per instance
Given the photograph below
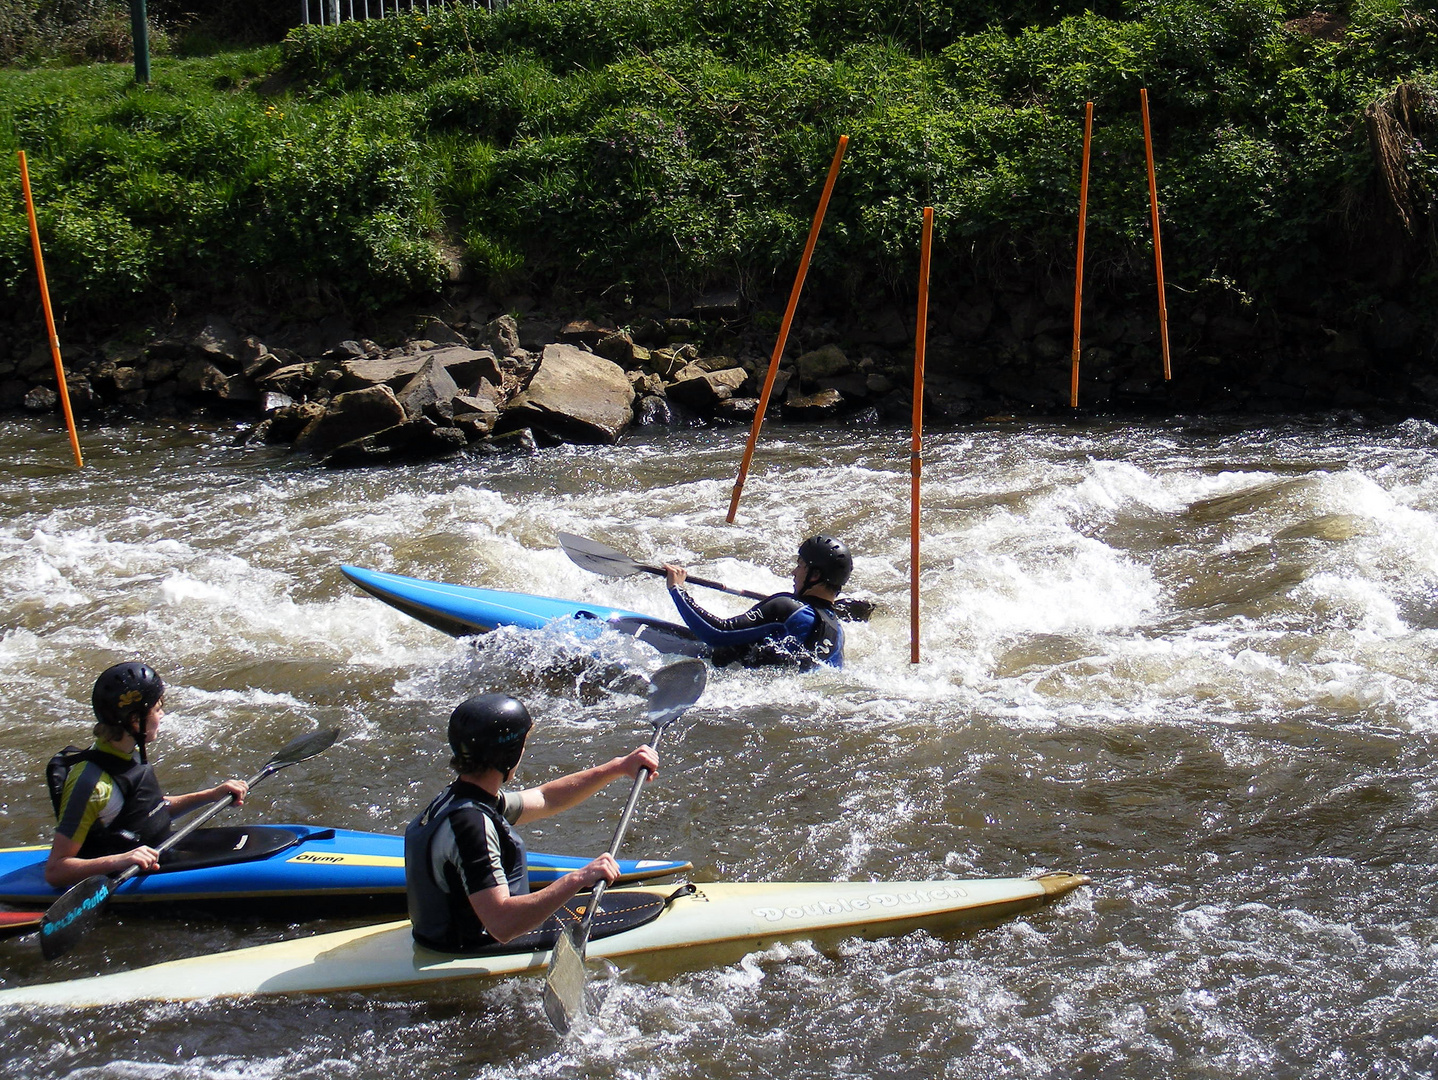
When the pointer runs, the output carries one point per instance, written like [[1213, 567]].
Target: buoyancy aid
[[144, 816], [439, 911]]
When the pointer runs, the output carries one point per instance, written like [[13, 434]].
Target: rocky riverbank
[[478, 373]]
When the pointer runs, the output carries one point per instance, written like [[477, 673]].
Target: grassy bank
[[635, 147]]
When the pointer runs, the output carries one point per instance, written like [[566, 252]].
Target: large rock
[[350, 417], [823, 363], [703, 390], [501, 335], [464, 365], [430, 393], [575, 396], [221, 344]]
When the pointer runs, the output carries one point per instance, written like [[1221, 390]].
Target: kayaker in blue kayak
[[466, 868], [110, 811], [798, 629]]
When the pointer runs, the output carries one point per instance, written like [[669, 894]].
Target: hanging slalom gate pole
[[49, 314], [1157, 246], [916, 460], [784, 327], [1078, 274]]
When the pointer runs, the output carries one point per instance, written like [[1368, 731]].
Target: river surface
[[1192, 660]]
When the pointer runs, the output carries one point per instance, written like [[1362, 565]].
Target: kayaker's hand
[[674, 576], [238, 788], [146, 858], [641, 757], [604, 868]]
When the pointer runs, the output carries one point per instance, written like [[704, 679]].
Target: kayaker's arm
[[183, 804], [64, 867], [559, 795], [505, 917]]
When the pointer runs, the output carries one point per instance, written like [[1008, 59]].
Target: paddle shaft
[[581, 938], [194, 823], [706, 583]]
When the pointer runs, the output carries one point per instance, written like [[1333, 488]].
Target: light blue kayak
[[464, 610]]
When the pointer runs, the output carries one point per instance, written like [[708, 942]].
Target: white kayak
[[693, 925]]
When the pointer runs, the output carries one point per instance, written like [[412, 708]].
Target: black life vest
[[440, 913], [144, 816]]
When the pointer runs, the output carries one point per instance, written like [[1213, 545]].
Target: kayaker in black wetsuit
[[465, 867], [797, 629], [110, 812]]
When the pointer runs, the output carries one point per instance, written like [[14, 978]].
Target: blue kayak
[[463, 610], [296, 867]]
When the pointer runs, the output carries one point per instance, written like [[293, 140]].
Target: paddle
[[70, 917], [602, 559], [672, 690]]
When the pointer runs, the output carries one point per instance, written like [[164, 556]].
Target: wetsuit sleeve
[[765, 619], [87, 798], [477, 857]]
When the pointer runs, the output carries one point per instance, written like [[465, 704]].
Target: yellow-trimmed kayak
[[695, 926]]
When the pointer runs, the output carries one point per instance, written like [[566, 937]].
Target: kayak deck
[[295, 869], [700, 923], [466, 610]]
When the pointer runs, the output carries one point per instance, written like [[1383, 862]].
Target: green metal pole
[[140, 31]]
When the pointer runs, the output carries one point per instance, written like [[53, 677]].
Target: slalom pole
[[916, 460], [784, 327], [1078, 273], [1157, 246], [49, 313]]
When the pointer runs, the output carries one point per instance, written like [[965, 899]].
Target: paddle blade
[[853, 609], [674, 688], [564, 984], [70, 917], [599, 558], [304, 746]]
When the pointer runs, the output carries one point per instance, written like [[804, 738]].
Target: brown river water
[[1191, 659]]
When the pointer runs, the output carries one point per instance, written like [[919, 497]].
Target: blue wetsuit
[[780, 630]]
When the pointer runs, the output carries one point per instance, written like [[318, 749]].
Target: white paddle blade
[[564, 985]]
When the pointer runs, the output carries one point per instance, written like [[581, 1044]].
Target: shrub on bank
[[671, 144]]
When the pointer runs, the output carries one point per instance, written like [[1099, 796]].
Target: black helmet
[[125, 691], [828, 560], [488, 732]]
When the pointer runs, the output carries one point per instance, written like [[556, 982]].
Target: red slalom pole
[[916, 460], [1157, 246], [1078, 274], [784, 327], [49, 312]]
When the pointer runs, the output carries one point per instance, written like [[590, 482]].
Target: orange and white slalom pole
[[49, 312], [784, 327], [1157, 245], [1078, 273], [916, 460]]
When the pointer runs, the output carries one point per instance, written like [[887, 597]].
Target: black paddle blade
[[852, 609], [564, 984], [599, 558], [71, 916], [304, 746], [674, 688]]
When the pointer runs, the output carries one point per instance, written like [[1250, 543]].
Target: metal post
[[140, 32]]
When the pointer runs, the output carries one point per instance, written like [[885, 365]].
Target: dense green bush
[[669, 143]]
